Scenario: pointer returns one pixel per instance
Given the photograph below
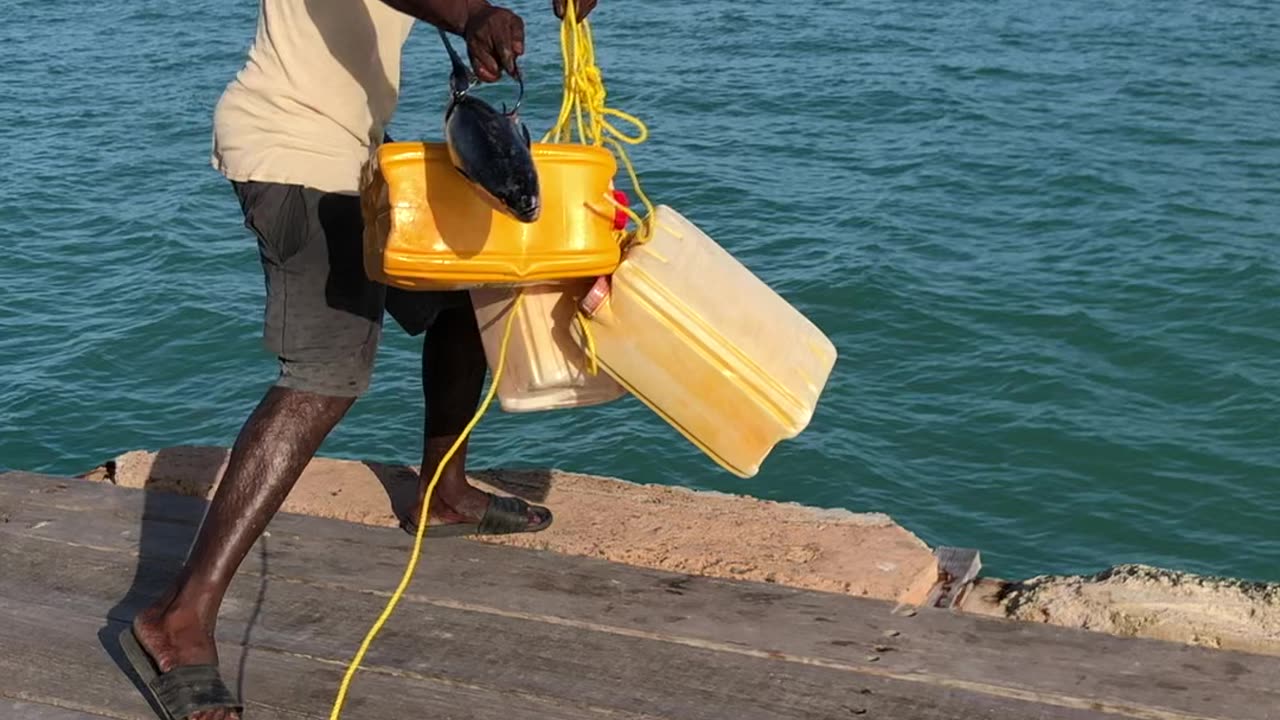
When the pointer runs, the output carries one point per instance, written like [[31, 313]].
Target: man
[[291, 132]]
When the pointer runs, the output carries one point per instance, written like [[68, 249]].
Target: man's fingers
[[494, 42], [508, 59], [510, 43], [582, 8], [483, 62]]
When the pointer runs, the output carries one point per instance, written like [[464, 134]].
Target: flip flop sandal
[[183, 691], [504, 516]]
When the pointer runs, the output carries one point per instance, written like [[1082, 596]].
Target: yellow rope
[[593, 367], [584, 93], [422, 518]]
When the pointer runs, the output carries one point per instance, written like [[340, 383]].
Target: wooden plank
[[632, 605], [51, 654], [35, 711], [933, 647], [624, 676]]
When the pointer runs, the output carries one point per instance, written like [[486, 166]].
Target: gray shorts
[[323, 315]]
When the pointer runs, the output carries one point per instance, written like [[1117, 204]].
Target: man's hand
[[582, 8], [495, 38], [494, 35]]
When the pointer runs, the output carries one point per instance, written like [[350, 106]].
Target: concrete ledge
[[655, 526], [730, 536]]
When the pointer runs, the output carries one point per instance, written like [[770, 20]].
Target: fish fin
[[524, 130]]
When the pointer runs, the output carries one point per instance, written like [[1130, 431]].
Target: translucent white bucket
[[547, 367]]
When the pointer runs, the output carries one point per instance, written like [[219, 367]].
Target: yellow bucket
[[427, 228]]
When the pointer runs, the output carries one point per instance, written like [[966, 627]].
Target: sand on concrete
[[1143, 601], [654, 526]]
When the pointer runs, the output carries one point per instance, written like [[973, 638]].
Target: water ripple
[[1042, 237]]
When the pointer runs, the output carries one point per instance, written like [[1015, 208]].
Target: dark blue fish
[[490, 148]]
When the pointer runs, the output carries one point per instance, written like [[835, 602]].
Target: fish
[[491, 149]]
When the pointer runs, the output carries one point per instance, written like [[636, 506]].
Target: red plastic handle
[[620, 218]]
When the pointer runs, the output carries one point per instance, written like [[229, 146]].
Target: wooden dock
[[489, 633]]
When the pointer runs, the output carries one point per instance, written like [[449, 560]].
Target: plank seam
[[402, 674], [62, 705]]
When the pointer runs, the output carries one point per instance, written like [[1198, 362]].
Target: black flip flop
[[183, 691], [504, 516]]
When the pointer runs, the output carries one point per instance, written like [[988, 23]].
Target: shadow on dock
[[168, 528], [401, 484], [164, 527]]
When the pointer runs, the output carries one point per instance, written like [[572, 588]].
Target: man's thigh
[[323, 316]]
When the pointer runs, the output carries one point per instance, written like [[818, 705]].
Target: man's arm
[[448, 15], [494, 35]]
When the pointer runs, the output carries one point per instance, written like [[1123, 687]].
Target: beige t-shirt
[[319, 86]]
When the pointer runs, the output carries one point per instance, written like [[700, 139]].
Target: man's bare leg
[[276, 443], [453, 370]]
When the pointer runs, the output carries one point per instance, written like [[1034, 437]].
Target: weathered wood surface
[[14, 710], [488, 630]]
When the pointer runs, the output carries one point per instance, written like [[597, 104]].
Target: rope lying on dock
[[422, 519]]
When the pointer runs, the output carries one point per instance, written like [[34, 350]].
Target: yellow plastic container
[[547, 367], [427, 228], [708, 346]]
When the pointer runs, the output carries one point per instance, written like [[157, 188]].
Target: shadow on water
[[168, 527]]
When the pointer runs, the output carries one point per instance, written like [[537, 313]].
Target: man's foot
[[467, 505], [177, 639], [475, 511]]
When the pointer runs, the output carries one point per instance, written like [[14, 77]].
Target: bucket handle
[[642, 231], [603, 211]]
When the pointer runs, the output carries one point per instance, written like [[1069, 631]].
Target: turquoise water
[[1044, 239]]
